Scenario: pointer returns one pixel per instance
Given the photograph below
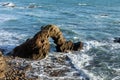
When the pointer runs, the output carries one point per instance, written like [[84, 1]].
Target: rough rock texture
[[15, 70], [38, 47], [69, 46], [2, 66]]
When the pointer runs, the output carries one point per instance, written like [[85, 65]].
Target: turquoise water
[[94, 22]]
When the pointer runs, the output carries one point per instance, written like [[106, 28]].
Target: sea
[[94, 22]]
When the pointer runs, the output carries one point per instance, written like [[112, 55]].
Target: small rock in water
[[8, 4], [32, 6], [117, 39]]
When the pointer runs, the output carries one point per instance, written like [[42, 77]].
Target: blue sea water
[[94, 22]]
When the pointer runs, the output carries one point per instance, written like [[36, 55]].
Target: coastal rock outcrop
[[2, 66], [38, 46]]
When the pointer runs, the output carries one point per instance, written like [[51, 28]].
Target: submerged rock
[[38, 46]]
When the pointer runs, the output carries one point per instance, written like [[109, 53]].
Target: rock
[[35, 48], [69, 46], [2, 66], [32, 5], [38, 46], [8, 4], [17, 68], [60, 41], [117, 40]]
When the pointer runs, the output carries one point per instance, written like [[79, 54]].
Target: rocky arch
[[38, 46]]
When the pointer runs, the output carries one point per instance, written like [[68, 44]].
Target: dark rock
[[69, 46], [2, 50], [38, 47], [117, 40], [8, 4]]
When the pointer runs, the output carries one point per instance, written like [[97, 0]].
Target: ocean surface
[[94, 22]]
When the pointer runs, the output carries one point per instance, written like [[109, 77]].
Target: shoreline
[[55, 66]]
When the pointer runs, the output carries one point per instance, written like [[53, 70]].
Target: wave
[[6, 17], [97, 60], [92, 44], [100, 16], [9, 40], [79, 63], [52, 66]]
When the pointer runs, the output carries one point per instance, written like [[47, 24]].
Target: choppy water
[[94, 22]]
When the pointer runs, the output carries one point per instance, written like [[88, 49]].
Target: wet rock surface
[[38, 46]]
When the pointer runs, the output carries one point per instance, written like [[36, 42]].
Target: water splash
[[9, 40]]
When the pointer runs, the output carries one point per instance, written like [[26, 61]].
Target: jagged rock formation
[[2, 66], [38, 47]]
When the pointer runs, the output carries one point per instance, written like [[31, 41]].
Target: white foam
[[39, 68], [8, 40], [114, 46], [116, 78], [92, 44], [82, 4], [10, 36], [100, 16], [80, 61]]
